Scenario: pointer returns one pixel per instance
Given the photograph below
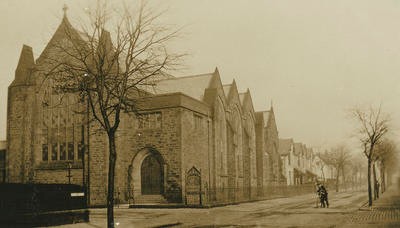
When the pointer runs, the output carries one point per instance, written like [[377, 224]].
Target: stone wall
[[196, 149], [19, 134]]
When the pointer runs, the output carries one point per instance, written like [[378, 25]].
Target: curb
[[364, 206]]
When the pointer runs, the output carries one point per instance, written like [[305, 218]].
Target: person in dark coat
[[323, 195]]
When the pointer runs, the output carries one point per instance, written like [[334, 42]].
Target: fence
[[33, 203]]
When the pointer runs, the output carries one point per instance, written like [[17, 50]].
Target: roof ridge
[[188, 76]]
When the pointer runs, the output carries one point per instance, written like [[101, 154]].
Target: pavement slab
[[385, 212]]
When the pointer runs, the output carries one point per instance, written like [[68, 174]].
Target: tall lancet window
[[63, 120], [45, 125]]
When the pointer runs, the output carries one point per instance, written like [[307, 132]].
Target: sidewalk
[[385, 212]]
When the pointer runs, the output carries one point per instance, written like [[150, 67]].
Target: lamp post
[[69, 172], [83, 146]]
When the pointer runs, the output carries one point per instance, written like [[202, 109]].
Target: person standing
[[323, 194]]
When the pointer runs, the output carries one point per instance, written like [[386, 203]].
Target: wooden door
[[152, 176]]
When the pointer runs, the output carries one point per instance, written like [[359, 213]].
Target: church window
[[45, 152], [54, 151], [70, 151], [63, 153], [80, 151]]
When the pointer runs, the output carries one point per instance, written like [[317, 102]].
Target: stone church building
[[195, 141]]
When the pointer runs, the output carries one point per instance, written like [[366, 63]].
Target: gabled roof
[[285, 146], [246, 101], [61, 32], [232, 98]]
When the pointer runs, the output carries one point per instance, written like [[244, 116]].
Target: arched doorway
[[146, 176], [152, 177]]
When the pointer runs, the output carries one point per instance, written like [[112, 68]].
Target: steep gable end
[[65, 31]]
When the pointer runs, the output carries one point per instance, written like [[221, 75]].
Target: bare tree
[[356, 166], [112, 72], [385, 154], [337, 157], [321, 165], [372, 126]]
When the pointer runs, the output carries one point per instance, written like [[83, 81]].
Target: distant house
[[298, 173], [311, 176], [286, 151], [3, 148]]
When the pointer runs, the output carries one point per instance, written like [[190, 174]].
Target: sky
[[312, 59]]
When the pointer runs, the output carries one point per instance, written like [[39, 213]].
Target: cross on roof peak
[[65, 9]]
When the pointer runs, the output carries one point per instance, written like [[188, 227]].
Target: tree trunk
[[344, 179], [383, 170], [337, 179], [376, 191], [111, 174], [369, 183]]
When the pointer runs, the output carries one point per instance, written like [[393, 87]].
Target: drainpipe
[[209, 161]]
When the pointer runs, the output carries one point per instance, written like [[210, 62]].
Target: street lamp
[[85, 181], [69, 172]]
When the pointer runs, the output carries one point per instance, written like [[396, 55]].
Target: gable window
[[63, 153], [54, 151], [70, 151], [45, 152]]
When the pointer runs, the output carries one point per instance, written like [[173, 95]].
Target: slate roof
[[193, 86]]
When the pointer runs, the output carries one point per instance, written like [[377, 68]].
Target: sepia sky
[[314, 59]]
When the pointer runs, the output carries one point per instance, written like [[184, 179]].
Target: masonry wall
[[259, 156], [97, 166], [219, 149], [19, 135], [196, 150]]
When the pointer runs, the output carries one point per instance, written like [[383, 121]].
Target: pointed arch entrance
[[146, 173]]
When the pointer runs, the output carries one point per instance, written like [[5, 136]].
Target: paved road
[[296, 211]]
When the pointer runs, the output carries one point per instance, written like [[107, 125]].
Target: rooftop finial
[[65, 9]]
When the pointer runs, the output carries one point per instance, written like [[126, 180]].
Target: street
[[298, 211]]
